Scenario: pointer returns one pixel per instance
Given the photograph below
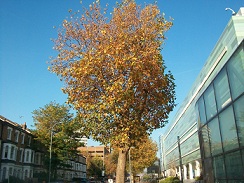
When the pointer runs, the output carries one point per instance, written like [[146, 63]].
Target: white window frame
[[21, 150], [9, 133], [4, 151], [28, 156], [23, 138], [12, 150], [29, 140], [32, 156], [16, 135]]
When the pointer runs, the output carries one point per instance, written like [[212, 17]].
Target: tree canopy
[[57, 119], [143, 155], [114, 72]]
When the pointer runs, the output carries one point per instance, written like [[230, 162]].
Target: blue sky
[[26, 27]]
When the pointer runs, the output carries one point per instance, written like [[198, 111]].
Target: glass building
[[210, 122]]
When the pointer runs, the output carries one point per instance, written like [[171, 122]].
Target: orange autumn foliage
[[114, 72]]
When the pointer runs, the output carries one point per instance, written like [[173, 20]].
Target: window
[[228, 129], [30, 173], [239, 113], [235, 69], [15, 153], [10, 171], [4, 173], [15, 173], [202, 113], [219, 168], [21, 154], [6, 151], [32, 156], [210, 102], [214, 134], [27, 156], [9, 133], [19, 174], [36, 158], [29, 140], [26, 173], [234, 168], [205, 141], [22, 138], [16, 136], [12, 153], [222, 91]]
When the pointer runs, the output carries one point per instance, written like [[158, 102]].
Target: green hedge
[[170, 180]]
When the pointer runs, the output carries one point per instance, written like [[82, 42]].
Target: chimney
[[24, 126]]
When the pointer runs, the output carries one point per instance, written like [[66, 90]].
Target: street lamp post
[[50, 151]]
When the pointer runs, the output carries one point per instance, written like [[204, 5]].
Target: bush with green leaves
[[13, 180], [170, 180], [199, 177]]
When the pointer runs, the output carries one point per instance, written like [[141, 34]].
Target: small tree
[[95, 167], [143, 155], [56, 119], [111, 161], [115, 74]]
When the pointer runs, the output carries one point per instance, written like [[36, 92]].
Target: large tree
[[57, 119], [114, 73]]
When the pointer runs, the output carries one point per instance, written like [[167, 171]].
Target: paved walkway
[[188, 181]]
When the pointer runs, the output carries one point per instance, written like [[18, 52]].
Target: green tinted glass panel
[[234, 167], [228, 129], [210, 103], [239, 113], [235, 70], [201, 109], [214, 134], [205, 141], [218, 167], [222, 91]]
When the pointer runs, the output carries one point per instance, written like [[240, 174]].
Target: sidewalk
[[188, 180]]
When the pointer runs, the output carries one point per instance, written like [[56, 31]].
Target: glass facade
[[210, 121], [221, 122]]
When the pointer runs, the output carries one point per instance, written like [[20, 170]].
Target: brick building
[[23, 157]]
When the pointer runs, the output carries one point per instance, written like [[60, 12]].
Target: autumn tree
[[57, 119], [111, 161], [142, 155], [95, 167], [114, 72]]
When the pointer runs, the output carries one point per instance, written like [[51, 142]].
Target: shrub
[[170, 180], [199, 177], [13, 180]]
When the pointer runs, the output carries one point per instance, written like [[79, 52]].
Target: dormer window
[[9, 133], [16, 136], [29, 140], [22, 136]]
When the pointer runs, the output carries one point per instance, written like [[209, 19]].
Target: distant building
[[84, 140], [154, 169], [210, 121], [95, 151]]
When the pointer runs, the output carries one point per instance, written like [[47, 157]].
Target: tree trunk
[[120, 171]]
